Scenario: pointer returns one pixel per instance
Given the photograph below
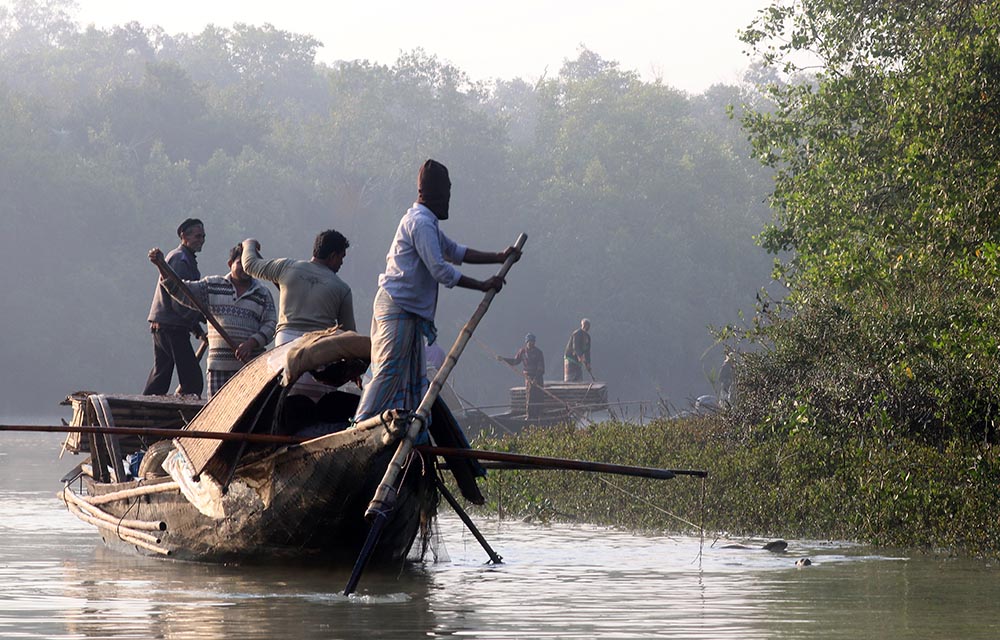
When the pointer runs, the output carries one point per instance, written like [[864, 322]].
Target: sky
[[690, 45]]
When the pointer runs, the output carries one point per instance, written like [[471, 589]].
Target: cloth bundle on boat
[[324, 351]]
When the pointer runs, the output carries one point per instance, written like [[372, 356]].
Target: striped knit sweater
[[251, 315]]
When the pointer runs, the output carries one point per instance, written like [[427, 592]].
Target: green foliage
[[885, 221], [804, 485]]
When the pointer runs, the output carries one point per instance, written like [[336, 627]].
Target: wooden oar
[[381, 506], [522, 461], [168, 273], [202, 348], [153, 432]]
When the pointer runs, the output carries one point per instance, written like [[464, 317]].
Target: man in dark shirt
[[171, 322], [577, 354], [534, 370]]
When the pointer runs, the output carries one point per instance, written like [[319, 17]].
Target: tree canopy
[[639, 200], [886, 218]]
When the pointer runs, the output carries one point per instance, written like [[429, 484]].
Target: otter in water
[[803, 562], [775, 546]]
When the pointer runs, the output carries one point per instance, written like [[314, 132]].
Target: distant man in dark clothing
[[171, 323], [577, 354], [534, 371]]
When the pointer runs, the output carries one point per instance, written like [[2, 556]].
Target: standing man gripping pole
[[419, 259], [242, 306], [171, 323], [534, 374]]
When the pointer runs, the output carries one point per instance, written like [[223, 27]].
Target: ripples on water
[[57, 581]]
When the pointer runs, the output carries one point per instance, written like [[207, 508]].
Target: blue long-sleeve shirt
[[418, 260]]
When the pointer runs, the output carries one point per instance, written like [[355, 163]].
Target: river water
[[57, 581]]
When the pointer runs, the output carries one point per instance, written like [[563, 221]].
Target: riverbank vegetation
[[873, 489], [869, 392]]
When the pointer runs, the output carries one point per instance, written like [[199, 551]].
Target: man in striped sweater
[[242, 305]]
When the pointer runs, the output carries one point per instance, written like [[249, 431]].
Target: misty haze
[[639, 200]]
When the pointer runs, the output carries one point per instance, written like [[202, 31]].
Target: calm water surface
[[58, 582]]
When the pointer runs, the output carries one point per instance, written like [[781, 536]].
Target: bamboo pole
[[522, 461], [382, 503], [145, 545], [97, 512], [153, 432], [495, 557], [118, 530], [143, 490]]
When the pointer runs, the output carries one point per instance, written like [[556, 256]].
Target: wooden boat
[[219, 500], [562, 403], [262, 471]]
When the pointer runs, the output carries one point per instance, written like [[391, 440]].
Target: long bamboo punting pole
[[522, 461], [382, 503]]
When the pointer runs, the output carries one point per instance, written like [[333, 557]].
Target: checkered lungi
[[399, 374], [216, 379]]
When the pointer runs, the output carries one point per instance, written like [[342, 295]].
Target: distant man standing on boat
[[534, 372], [242, 305], [577, 355], [311, 296], [171, 322], [403, 314]]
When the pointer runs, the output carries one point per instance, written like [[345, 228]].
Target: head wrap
[[529, 338], [187, 224], [434, 188]]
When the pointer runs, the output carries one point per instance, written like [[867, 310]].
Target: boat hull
[[301, 500]]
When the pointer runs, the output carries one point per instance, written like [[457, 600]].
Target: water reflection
[[57, 581]]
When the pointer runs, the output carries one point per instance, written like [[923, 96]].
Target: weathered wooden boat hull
[[302, 500], [220, 499]]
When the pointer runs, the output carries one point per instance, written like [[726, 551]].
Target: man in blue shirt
[[421, 257]]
